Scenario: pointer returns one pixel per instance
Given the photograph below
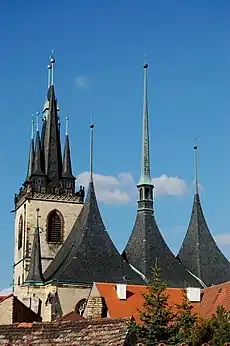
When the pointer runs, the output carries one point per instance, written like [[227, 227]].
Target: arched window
[[80, 307], [147, 193], [141, 194], [54, 227], [20, 231]]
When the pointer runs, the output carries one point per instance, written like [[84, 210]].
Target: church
[[61, 246]]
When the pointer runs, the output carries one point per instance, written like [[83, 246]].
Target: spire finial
[[32, 128], [145, 160], [52, 61], [66, 125], [37, 122], [49, 67], [195, 167], [91, 150]]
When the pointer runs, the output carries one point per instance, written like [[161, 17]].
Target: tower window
[[54, 227], [147, 193], [141, 195], [20, 231]]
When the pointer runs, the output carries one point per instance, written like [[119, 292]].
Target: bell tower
[[50, 187]]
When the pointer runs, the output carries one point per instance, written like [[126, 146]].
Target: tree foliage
[[156, 314], [159, 324]]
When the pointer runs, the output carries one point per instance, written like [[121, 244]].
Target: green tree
[[184, 322], [219, 325], [156, 315]]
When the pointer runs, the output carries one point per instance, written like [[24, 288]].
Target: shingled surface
[[199, 252], [79, 333], [88, 253], [146, 247]]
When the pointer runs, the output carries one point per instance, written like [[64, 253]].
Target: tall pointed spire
[[38, 169], [91, 151], [146, 245], [145, 159], [51, 144], [199, 252], [67, 166], [195, 170], [35, 276], [31, 154]]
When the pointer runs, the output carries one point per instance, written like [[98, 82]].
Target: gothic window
[[147, 193], [54, 227], [141, 194], [20, 231], [80, 307]]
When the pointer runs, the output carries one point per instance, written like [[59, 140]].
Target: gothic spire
[[38, 169], [51, 144], [67, 167], [145, 160], [35, 276], [146, 244], [199, 252], [31, 154], [91, 151], [195, 170]]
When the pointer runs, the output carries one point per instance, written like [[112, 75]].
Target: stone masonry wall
[[69, 211]]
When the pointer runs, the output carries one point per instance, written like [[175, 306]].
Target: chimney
[[121, 291], [193, 294]]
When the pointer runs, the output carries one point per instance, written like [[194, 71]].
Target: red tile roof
[[214, 296], [127, 308], [71, 316]]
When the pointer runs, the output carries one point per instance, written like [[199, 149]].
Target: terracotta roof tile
[[71, 316], [128, 308], [214, 296]]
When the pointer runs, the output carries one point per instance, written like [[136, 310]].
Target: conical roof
[[88, 253], [199, 252], [146, 247]]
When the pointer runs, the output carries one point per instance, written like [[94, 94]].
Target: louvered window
[[54, 234], [20, 230]]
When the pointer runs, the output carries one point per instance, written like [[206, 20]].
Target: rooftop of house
[[83, 333], [128, 307]]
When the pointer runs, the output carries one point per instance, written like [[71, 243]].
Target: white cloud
[[121, 189], [83, 82], [223, 239], [173, 186], [5, 291]]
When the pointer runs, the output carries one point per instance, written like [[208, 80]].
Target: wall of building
[[6, 311], [69, 211], [55, 300]]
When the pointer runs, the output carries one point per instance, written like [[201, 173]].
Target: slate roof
[[67, 166], [88, 254], [35, 270], [146, 247], [103, 332], [199, 252], [51, 144]]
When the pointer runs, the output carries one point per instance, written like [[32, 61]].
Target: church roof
[[146, 245], [35, 276], [199, 252], [152, 249], [88, 253]]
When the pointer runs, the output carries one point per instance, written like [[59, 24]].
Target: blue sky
[[100, 47]]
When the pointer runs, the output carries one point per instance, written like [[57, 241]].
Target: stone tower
[[50, 187]]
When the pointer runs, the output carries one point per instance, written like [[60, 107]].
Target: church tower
[[50, 187], [146, 246]]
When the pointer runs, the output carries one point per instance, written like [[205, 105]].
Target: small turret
[[35, 276]]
